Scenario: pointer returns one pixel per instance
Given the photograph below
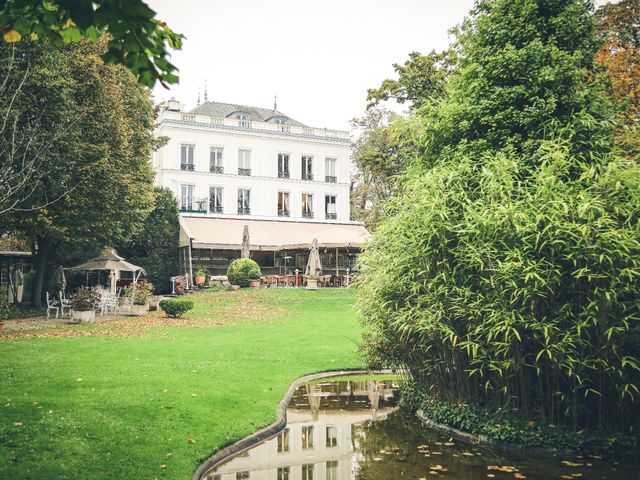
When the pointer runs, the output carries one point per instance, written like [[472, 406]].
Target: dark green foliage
[[156, 247], [504, 426], [176, 307], [242, 271], [507, 273], [135, 37]]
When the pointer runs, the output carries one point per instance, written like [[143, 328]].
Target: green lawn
[[156, 402]]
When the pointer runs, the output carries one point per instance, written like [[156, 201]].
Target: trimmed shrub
[[176, 307], [242, 271]]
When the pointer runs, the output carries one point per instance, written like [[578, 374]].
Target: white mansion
[[234, 165]]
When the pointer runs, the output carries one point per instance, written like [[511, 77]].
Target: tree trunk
[[40, 266]]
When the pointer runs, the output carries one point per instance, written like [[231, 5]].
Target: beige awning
[[226, 233]]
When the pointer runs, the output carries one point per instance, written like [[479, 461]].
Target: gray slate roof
[[256, 114]]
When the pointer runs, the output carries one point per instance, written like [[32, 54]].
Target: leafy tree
[[506, 271], [619, 29], [136, 38], [422, 77], [98, 169], [155, 247]]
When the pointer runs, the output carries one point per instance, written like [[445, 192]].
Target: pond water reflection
[[353, 430]]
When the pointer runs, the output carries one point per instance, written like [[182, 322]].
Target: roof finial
[[198, 96], [206, 99], [275, 103]]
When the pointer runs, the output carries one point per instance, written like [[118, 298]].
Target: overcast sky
[[319, 57]]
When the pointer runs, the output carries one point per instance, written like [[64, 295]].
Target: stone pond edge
[[281, 419]]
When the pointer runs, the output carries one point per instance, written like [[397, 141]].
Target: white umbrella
[[246, 246]]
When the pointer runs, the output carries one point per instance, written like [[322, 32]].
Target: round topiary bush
[[176, 307], [242, 271]]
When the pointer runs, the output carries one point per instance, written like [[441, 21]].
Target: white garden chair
[[52, 305]]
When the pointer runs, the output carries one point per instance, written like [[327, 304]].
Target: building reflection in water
[[317, 442]]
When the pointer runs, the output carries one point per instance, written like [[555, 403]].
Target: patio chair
[[52, 305], [65, 306]]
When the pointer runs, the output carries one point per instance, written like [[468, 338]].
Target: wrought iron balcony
[[331, 179], [331, 216], [244, 171], [244, 211], [216, 169], [193, 205], [283, 173], [307, 214], [189, 167], [283, 213], [307, 176], [215, 208]]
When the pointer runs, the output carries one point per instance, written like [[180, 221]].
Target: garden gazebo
[[113, 263]]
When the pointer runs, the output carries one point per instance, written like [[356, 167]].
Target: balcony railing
[[216, 169], [283, 213], [244, 171], [244, 211], [331, 179], [194, 205], [331, 216], [307, 176], [189, 167], [307, 214], [283, 173], [215, 208]]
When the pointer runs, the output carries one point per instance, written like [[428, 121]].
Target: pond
[[339, 430]]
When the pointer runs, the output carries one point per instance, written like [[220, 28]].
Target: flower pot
[[255, 283], [312, 283], [139, 310], [200, 280], [154, 304], [83, 316]]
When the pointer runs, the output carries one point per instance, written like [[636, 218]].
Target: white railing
[[264, 126]]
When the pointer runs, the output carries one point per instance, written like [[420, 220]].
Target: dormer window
[[281, 122], [243, 120]]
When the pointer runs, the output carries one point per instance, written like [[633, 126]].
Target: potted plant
[[83, 306], [139, 293], [201, 276], [244, 272]]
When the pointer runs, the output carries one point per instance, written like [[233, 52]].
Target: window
[[307, 471], [243, 120], [332, 436], [283, 165], [283, 473], [330, 207], [187, 197], [307, 205], [283, 441], [330, 170], [307, 167], [244, 162], [215, 160], [215, 199], [282, 125], [283, 204], [242, 476], [244, 201], [307, 437], [332, 470], [187, 153]]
